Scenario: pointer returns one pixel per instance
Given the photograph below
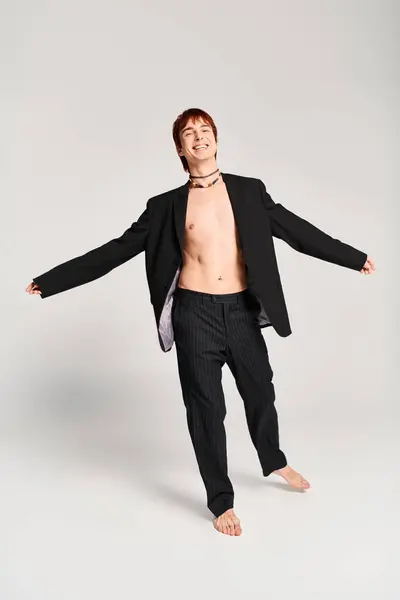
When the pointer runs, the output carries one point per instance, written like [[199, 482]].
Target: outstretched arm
[[96, 262], [308, 239]]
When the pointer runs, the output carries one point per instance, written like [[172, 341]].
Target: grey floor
[[98, 503]]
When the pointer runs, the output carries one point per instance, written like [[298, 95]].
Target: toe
[[217, 525], [237, 527]]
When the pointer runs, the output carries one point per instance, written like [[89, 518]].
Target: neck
[[202, 169]]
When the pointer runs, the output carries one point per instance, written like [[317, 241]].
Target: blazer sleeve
[[96, 262], [308, 239]]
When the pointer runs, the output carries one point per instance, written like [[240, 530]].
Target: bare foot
[[293, 478], [228, 523]]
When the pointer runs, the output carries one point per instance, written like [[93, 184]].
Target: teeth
[[198, 147]]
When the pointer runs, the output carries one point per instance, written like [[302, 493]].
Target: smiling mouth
[[201, 147]]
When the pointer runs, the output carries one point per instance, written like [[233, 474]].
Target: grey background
[[100, 493]]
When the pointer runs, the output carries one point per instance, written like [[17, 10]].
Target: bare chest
[[209, 216]]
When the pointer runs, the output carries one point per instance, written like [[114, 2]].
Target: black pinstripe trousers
[[209, 331]]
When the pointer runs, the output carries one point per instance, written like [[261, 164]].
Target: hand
[[369, 267], [33, 289]]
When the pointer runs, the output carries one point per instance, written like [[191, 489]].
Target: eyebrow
[[202, 125]]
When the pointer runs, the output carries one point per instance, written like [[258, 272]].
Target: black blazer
[[160, 231]]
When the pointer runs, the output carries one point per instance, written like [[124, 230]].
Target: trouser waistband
[[230, 298]]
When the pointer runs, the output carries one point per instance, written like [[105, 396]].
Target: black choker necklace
[[202, 176], [198, 185]]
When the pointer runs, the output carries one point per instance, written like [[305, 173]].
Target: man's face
[[197, 141]]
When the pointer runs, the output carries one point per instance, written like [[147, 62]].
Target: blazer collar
[[235, 191]]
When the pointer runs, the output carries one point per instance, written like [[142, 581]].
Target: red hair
[[180, 123]]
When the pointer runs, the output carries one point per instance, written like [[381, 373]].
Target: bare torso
[[212, 257]]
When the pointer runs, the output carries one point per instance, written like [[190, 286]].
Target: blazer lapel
[[236, 193], [237, 196], [180, 208]]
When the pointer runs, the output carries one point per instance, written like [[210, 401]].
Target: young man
[[214, 283]]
